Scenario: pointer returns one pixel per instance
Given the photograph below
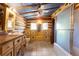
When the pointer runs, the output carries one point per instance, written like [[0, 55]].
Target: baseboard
[[64, 51]]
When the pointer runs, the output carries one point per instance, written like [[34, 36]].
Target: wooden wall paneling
[[20, 23]]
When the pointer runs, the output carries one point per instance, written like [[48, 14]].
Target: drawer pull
[[18, 40]]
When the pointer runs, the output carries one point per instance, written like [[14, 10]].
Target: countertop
[[7, 38]]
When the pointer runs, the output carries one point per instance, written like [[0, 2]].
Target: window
[[33, 26], [44, 26]]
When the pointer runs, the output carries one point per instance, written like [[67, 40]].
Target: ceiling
[[35, 10]]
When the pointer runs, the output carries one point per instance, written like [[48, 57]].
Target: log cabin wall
[[20, 23], [42, 35]]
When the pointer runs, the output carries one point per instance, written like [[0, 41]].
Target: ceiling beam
[[42, 17]]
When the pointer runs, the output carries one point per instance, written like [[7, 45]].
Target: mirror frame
[[7, 13]]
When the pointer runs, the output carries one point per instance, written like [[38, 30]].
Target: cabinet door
[[18, 53], [6, 47], [8, 53], [17, 50], [23, 48]]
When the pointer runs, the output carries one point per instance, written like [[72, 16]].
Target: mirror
[[10, 21], [10, 26]]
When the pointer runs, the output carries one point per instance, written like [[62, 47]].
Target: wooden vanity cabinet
[[15, 47]]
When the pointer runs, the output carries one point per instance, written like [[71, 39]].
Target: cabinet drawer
[[7, 46], [18, 41]]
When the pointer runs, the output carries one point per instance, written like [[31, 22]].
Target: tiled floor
[[41, 48]]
